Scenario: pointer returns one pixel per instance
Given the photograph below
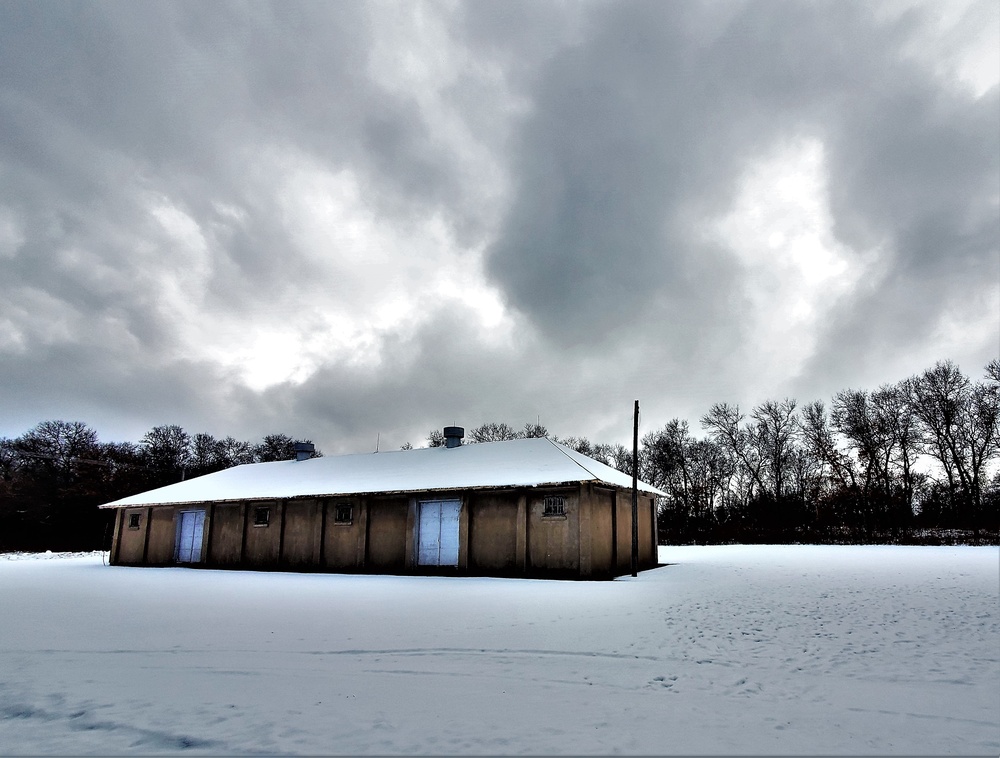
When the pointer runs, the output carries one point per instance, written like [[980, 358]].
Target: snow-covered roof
[[515, 463]]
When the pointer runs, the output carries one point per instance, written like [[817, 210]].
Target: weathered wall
[[227, 534], [387, 534], [623, 528], [493, 533], [162, 534], [500, 533], [302, 538], [131, 541], [598, 531], [263, 542], [344, 548], [554, 541]]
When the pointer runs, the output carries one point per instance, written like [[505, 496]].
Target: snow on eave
[[375, 493], [536, 462]]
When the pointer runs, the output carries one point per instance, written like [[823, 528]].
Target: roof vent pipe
[[303, 450], [453, 436]]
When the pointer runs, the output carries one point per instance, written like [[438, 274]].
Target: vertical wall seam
[[208, 534], [324, 504], [281, 533], [243, 536], [145, 539], [116, 548]]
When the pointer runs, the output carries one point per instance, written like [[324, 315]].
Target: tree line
[[53, 477], [913, 461], [910, 461]]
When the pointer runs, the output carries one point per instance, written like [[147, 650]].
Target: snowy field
[[727, 650]]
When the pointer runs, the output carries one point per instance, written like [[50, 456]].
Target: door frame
[[179, 529], [457, 501]]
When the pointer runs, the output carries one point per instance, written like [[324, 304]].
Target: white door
[[437, 535], [190, 531]]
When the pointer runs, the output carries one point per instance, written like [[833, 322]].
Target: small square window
[[133, 520], [554, 505], [261, 516], [344, 514]]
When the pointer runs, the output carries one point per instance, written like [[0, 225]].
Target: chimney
[[453, 436], [303, 450]]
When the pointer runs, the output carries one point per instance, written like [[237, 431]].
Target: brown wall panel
[[624, 527], [387, 534], [600, 532], [162, 533], [263, 542], [303, 532], [503, 533], [132, 540], [493, 533], [227, 536], [345, 542], [554, 541]]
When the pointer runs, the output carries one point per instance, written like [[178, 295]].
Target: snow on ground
[[727, 650]]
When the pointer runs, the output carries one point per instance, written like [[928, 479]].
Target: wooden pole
[[635, 491]]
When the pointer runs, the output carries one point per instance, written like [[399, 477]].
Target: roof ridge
[[560, 447]]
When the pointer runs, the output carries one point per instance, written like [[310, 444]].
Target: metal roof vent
[[303, 450], [453, 436]]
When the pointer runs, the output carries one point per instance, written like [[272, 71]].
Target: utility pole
[[635, 491]]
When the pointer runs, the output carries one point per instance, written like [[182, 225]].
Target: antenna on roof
[[378, 435]]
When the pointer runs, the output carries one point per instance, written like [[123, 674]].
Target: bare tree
[[279, 447], [167, 450], [818, 438], [535, 430], [880, 427], [774, 435], [724, 424], [494, 431], [693, 472], [234, 452], [960, 429], [206, 454]]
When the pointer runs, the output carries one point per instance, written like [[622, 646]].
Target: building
[[527, 507]]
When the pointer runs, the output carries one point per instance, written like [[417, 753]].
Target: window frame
[[338, 510], [134, 521], [258, 511], [554, 506]]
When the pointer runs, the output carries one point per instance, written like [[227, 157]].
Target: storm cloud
[[357, 219]]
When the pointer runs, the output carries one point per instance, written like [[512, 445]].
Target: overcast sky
[[349, 220]]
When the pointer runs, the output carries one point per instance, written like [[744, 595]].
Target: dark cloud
[[179, 178]]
